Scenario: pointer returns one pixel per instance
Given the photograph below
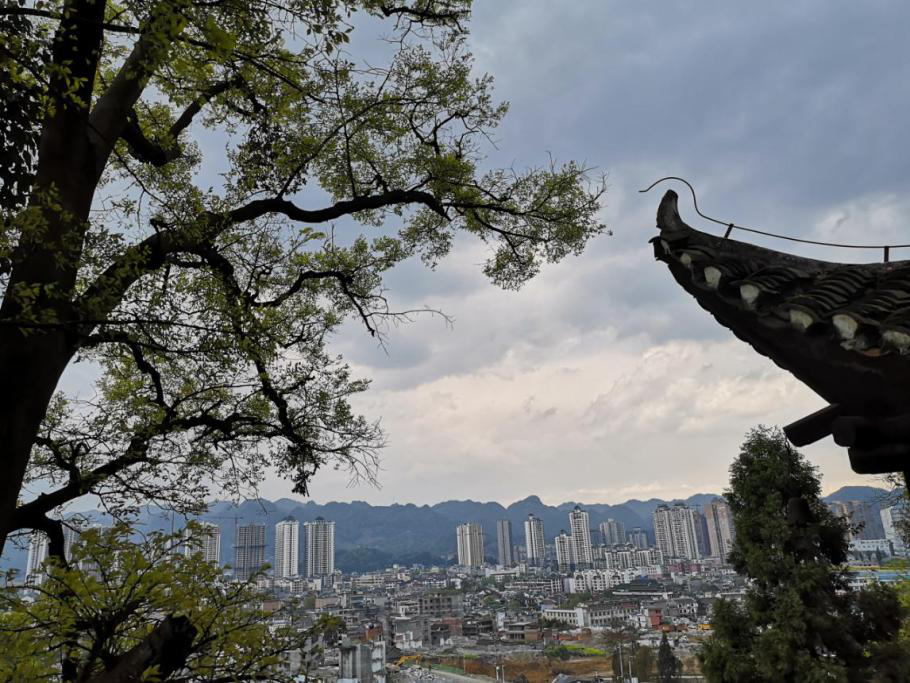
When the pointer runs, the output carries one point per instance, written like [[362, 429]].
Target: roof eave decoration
[[841, 329]]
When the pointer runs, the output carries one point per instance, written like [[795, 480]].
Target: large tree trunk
[[36, 339], [29, 370]]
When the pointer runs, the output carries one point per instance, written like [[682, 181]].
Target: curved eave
[[842, 329]]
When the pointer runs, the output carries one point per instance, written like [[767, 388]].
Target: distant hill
[[866, 494], [371, 537]]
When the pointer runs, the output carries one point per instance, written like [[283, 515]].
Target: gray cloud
[[602, 380]]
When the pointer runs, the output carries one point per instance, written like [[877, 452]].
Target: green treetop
[[799, 621]]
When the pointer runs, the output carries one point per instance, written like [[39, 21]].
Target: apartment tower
[[470, 544], [249, 550], [320, 547], [504, 543], [580, 526], [287, 547], [535, 545]]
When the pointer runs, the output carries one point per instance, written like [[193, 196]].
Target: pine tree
[[798, 621], [667, 663]]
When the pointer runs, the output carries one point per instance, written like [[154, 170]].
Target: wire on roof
[[731, 226]]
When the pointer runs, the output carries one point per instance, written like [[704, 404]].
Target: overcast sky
[[602, 380]]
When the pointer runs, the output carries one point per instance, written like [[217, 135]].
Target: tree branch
[[109, 117], [155, 153], [261, 207], [168, 646]]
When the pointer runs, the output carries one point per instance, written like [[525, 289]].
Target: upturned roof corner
[[842, 329]]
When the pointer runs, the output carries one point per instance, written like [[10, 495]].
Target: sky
[[602, 380]]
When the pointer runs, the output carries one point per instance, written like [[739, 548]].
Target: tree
[[798, 621], [92, 620], [207, 309], [643, 662], [204, 287], [667, 663]]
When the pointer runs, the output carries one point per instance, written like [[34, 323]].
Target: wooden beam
[[813, 427], [891, 457]]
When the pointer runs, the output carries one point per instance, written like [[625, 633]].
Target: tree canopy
[[90, 621], [196, 193], [798, 621]]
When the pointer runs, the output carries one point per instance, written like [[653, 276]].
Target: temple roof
[[842, 329]]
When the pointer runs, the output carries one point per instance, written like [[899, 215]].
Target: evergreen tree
[[643, 662], [798, 621], [667, 663]]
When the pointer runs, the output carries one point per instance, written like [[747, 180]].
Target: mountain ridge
[[371, 537]]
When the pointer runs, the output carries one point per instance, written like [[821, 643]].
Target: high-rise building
[[320, 547], [638, 537], [470, 544], [719, 521], [249, 550], [534, 541], [701, 534], [580, 525], [73, 529], [891, 517], [864, 519], [613, 532], [674, 531], [206, 540], [566, 557], [287, 547], [71, 533], [866, 516], [504, 543], [37, 554]]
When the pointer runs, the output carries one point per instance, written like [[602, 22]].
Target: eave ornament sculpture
[[841, 329]]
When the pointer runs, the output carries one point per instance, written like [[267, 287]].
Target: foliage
[[204, 282], [558, 624], [209, 306], [563, 651], [668, 666], [798, 621], [584, 650], [560, 652], [573, 600], [643, 662], [88, 617]]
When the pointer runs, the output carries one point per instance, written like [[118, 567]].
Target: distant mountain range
[[371, 537]]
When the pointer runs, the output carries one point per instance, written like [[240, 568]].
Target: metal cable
[[731, 226]]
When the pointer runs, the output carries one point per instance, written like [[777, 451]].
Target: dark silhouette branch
[[168, 647], [153, 152]]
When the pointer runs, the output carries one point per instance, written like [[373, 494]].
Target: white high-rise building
[[580, 526], [565, 552], [319, 537], [249, 550], [675, 533], [613, 532], [890, 517], [535, 544], [287, 547], [37, 554], [504, 541], [206, 540], [719, 520], [470, 544]]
